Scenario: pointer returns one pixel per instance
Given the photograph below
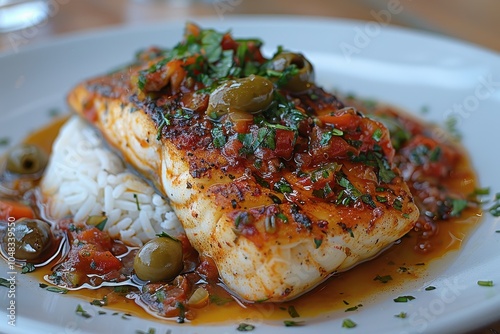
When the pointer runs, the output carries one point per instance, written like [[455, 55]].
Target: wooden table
[[475, 21]]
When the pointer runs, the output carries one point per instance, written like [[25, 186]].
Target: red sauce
[[404, 262]]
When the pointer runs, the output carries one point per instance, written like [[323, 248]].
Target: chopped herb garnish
[[430, 288], [182, 312], [318, 242], [56, 289], [348, 323], [377, 135], [401, 315], [354, 308], [325, 138], [121, 289], [4, 282], [282, 217], [291, 323], [100, 302], [219, 301], [397, 204], [42, 285], [383, 279], [27, 268], [80, 311], [283, 186], [136, 202], [367, 199], [98, 221], [482, 191], [4, 141], [403, 299], [293, 312], [163, 234], [101, 312], [245, 327], [218, 138], [458, 205], [485, 283]]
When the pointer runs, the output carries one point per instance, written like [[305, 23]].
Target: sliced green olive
[[252, 95], [26, 159], [159, 259], [31, 238], [300, 82]]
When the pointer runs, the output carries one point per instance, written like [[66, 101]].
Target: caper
[[30, 237], [252, 94], [159, 259], [299, 82], [26, 159]]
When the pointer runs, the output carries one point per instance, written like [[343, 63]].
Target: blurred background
[[476, 22]]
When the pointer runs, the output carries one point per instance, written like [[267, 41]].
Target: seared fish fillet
[[279, 203]]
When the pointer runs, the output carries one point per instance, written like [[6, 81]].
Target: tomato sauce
[[406, 263]]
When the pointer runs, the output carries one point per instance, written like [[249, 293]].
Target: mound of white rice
[[85, 178]]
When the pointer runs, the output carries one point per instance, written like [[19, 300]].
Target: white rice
[[84, 178]]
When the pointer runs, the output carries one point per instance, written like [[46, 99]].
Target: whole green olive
[[26, 159], [252, 94], [30, 238], [300, 82], [159, 259]]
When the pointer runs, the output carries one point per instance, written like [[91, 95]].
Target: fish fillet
[[272, 235]]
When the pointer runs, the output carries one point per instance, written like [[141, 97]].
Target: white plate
[[398, 66]]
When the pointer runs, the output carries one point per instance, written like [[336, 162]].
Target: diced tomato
[[96, 237], [285, 141], [93, 261], [16, 210], [343, 122]]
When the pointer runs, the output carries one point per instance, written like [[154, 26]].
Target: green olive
[[26, 159], [252, 95], [30, 238], [159, 259], [300, 82]]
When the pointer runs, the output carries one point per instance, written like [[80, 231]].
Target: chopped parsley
[[243, 327], [377, 135], [317, 242], [401, 315], [353, 308], [5, 282], [430, 288], [100, 302], [81, 312], [325, 138], [403, 299], [27, 268], [458, 205], [218, 137], [164, 234], [384, 279], [283, 186], [485, 283], [348, 323], [291, 323], [4, 141], [293, 312]]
